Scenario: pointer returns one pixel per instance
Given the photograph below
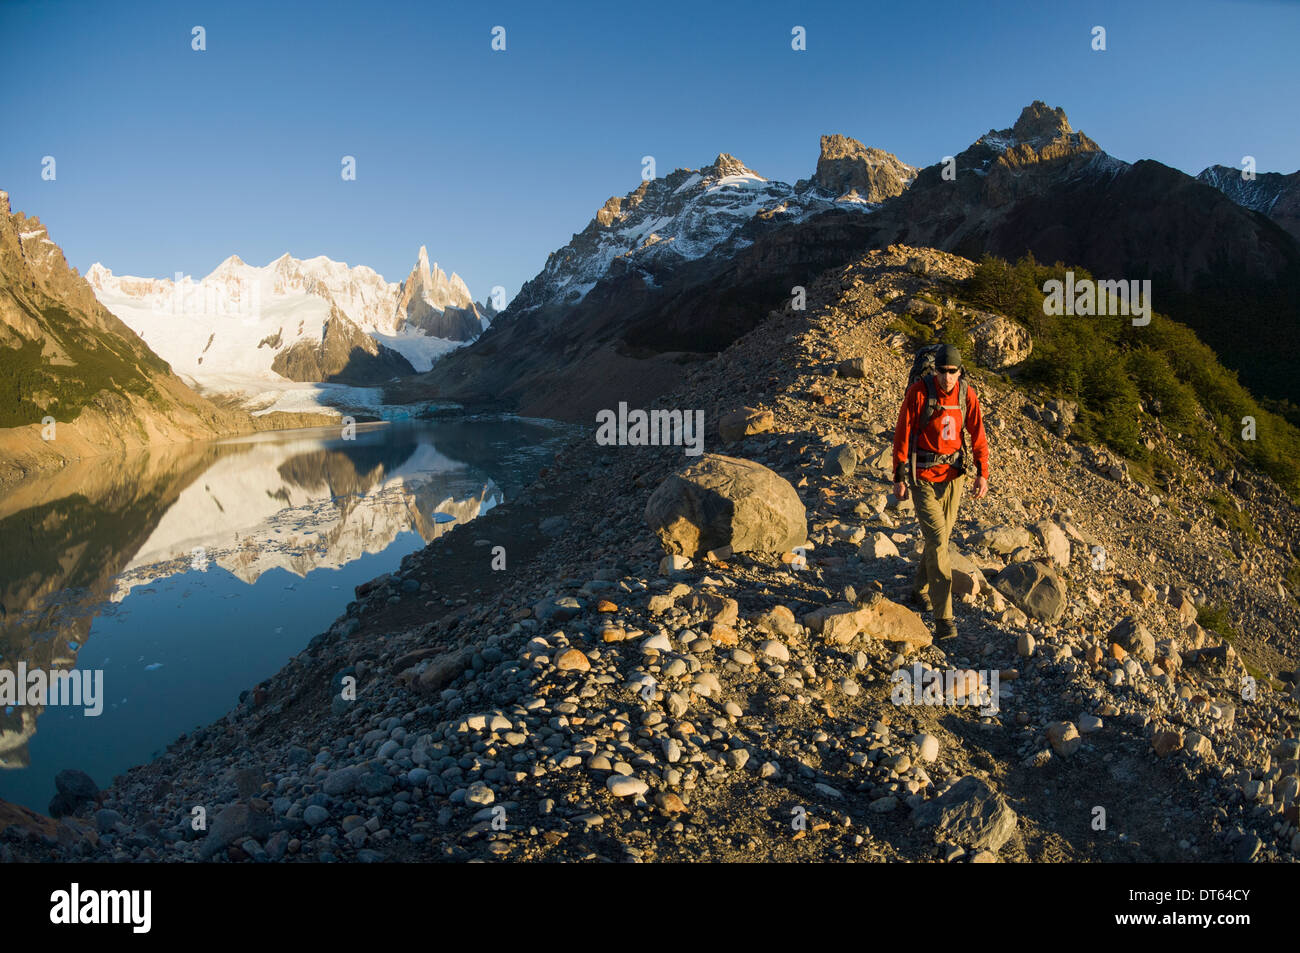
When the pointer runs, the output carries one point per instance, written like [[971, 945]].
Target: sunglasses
[[948, 370]]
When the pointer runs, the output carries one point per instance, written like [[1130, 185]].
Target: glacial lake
[[180, 576]]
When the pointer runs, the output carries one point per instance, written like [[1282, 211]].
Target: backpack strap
[[928, 412], [967, 393], [962, 391], [932, 409]]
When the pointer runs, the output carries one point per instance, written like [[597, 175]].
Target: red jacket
[[935, 438]]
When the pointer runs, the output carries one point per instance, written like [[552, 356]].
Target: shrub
[[915, 332], [1293, 579], [1232, 518], [1215, 618], [1109, 367]]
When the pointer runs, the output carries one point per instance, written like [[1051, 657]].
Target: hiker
[[930, 458]]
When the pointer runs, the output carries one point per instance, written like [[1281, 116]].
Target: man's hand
[[900, 490], [981, 487]]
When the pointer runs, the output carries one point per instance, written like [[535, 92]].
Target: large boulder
[[1184, 605], [723, 501], [879, 546], [839, 623], [882, 461], [853, 367], [73, 788], [840, 461], [75, 784], [1055, 543], [234, 823], [1079, 535], [924, 311], [1000, 343], [743, 422], [557, 609], [1135, 638], [891, 622], [1058, 416], [967, 579], [1035, 589], [970, 813], [778, 621], [713, 607], [1003, 539]]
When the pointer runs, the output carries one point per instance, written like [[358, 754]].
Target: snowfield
[[222, 333]]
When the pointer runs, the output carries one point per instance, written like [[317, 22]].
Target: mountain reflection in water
[[190, 572]]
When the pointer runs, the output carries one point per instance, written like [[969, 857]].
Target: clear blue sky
[[170, 159]]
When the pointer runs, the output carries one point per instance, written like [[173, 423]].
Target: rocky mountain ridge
[[343, 355], [691, 213], [79, 381], [1041, 188], [438, 305], [615, 304], [670, 270], [853, 172], [1269, 193]]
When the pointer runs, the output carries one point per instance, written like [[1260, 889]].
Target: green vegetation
[[955, 332], [31, 387], [1283, 408], [1120, 374], [1293, 579], [1215, 618], [1157, 470], [1230, 517], [915, 331]]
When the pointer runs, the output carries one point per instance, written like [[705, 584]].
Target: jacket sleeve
[[975, 426], [907, 419]]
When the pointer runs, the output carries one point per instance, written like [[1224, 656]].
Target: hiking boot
[[944, 629], [922, 600]]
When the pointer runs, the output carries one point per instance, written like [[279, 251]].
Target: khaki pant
[[936, 509]]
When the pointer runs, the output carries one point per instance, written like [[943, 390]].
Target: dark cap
[[948, 356]]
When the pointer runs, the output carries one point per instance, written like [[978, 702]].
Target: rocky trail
[[598, 700]]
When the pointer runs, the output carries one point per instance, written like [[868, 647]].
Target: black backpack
[[923, 366]]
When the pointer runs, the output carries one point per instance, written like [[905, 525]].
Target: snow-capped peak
[[433, 286], [684, 216], [232, 266], [728, 166], [233, 323]]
